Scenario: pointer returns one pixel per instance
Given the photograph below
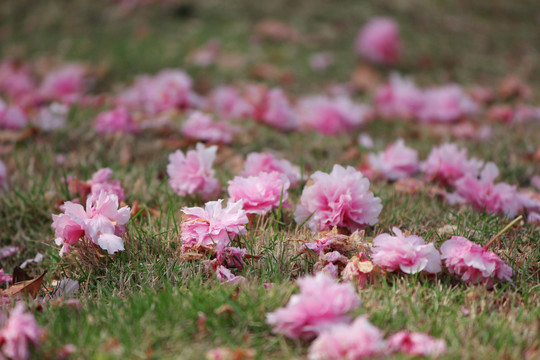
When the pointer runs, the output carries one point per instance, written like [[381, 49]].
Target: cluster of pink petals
[[200, 126], [51, 117], [328, 241], [410, 254], [447, 164], [396, 162], [378, 41], [227, 103], [66, 84], [212, 226], [341, 198], [260, 193], [15, 79], [3, 176], [272, 107], [257, 163], [12, 117], [102, 222], [101, 181], [226, 276], [331, 116], [4, 277], [416, 344], [399, 98], [358, 340], [484, 194], [472, 262], [308, 314], [170, 89], [115, 120], [19, 331], [192, 173], [445, 104]]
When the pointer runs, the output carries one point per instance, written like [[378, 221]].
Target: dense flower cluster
[[260, 193]]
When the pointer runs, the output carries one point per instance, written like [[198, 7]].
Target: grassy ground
[[146, 302]]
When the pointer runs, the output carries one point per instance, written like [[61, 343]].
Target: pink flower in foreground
[[66, 84], [20, 330], [399, 98], [200, 126], [472, 262], [257, 163], [115, 120], [447, 163], [416, 344], [484, 193], [307, 314], [358, 340], [227, 102], [396, 162], [331, 116], [272, 107], [341, 198], [378, 41], [445, 104], [212, 226], [3, 176], [192, 173], [409, 254], [260, 193]]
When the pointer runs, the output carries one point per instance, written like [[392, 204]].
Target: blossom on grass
[[101, 181], [12, 117], [3, 176], [200, 126], [212, 227], [447, 164], [307, 313], [192, 173], [341, 198], [416, 344], [101, 222], [397, 161], [225, 275], [445, 104], [115, 120], [227, 102], [484, 193], [358, 340], [257, 163], [260, 193], [66, 84], [378, 41], [15, 79], [472, 262], [409, 254], [399, 98], [18, 333], [331, 116], [4, 277], [272, 107], [52, 117]]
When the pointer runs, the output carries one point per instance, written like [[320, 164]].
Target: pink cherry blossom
[[341, 198], [272, 107], [66, 84], [67, 231], [355, 341], [447, 164], [19, 331], [101, 181], [308, 314], [472, 262], [321, 61], [52, 117], [260, 193], [3, 176], [15, 79], [416, 344], [227, 102], [200, 126], [409, 254], [396, 162], [225, 275], [193, 173], [445, 104], [484, 193], [4, 277], [257, 163], [12, 117], [115, 120], [331, 116], [212, 226], [378, 41], [399, 98]]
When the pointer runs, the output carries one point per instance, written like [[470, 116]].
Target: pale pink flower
[[320, 61], [19, 331], [115, 120], [307, 314], [193, 173], [67, 231], [102, 182], [485, 194], [272, 107], [200, 126], [260, 193], [212, 226], [227, 103], [472, 262], [66, 84], [378, 41], [52, 117], [409, 254], [447, 164], [365, 141], [341, 198], [399, 98], [257, 163], [4, 277], [12, 117], [445, 104], [206, 55], [225, 275], [355, 341], [525, 113], [3, 176], [396, 162], [15, 79], [331, 116], [416, 344]]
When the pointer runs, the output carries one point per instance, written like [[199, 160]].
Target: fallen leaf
[[365, 78], [225, 308], [30, 287], [276, 30]]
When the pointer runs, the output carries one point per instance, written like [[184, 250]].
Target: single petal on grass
[[416, 344]]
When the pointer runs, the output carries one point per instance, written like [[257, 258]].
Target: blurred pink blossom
[[51, 117], [200, 126], [378, 41], [15, 79], [447, 164], [101, 181], [399, 98], [396, 162], [3, 176], [272, 107], [445, 104], [416, 344], [115, 120], [260, 193], [66, 84], [18, 332], [4, 277], [227, 103], [12, 117], [321, 61], [257, 163]]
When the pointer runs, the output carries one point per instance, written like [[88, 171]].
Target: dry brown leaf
[[511, 86], [225, 308], [28, 287], [365, 78], [276, 30], [409, 186]]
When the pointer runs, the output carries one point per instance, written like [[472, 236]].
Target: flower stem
[[493, 239]]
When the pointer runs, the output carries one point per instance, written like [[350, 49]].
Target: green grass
[[146, 301]]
